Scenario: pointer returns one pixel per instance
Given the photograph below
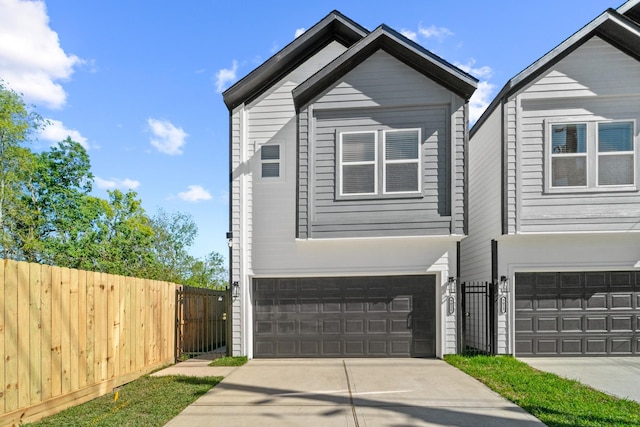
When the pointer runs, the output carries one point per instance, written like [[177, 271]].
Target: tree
[[174, 233], [59, 216], [124, 237], [17, 125], [209, 272]]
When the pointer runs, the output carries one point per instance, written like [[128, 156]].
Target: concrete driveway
[[351, 392], [618, 376]]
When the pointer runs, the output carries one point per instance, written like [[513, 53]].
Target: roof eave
[[604, 26], [334, 26], [403, 49]]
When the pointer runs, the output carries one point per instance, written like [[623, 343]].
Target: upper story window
[[270, 160], [369, 168], [592, 155]]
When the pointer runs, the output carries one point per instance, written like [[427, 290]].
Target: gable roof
[[402, 49], [333, 27], [618, 29]]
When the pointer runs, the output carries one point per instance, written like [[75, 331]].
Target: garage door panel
[[348, 317], [587, 313]]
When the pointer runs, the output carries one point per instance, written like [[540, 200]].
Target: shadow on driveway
[[352, 392]]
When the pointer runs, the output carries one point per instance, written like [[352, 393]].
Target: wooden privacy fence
[[67, 336], [201, 325]]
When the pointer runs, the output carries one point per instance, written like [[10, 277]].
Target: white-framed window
[[363, 163], [591, 155], [401, 173], [270, 161], [358, 163]]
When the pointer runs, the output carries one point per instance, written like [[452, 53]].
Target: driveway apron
[[618, 376], [351, 392]]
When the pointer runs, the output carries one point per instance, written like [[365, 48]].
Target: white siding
[[595, 82], [484, 199], [270, 118]]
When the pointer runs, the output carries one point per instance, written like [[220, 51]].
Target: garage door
[[345, 317], [577, 313]]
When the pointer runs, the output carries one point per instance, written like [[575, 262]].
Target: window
[[395, 163], [270, 161], [592, 155], [402, 161]]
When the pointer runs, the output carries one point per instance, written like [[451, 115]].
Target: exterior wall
[[268, 119], [382, 93], [485, 182], [577, 88], [571, 252]]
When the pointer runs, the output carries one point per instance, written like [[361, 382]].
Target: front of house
[[554, 198], [348, 157]]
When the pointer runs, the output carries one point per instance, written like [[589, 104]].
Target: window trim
[[380, 163], [592, 156], [279, 161], [374, 162], [385, 162]]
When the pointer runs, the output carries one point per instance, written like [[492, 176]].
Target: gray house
[[554, 202], [348, 194]]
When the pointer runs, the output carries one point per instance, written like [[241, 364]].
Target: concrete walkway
[[351, 392], [618, 376]]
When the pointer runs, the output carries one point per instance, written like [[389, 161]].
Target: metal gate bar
[[477, 318], [201, 316]]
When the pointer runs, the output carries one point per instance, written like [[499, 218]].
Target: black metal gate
[[201, 321], [477, 318]]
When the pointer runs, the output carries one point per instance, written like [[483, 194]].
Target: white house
[[554, 182], [348, 193]]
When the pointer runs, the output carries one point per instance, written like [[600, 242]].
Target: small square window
[[270, 161]]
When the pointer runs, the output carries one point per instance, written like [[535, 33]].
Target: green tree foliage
[[18, 124], [48, 214]]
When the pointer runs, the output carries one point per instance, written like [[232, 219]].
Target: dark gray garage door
[[345, 317], [577, 313]]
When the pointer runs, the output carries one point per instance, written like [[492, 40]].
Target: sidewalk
[[198, 367]]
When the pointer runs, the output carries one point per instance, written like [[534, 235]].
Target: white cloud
[[195, 193], [56, 131], [225, 76], [439, 33], [113, 183], [32, 61], [480, 100], [299, 32], [167, 138], [484, 72], [411, 35]]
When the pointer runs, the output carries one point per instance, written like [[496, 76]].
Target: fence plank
[[131, 319], [24, 383], [82, 328], [140, 334], [56, 326], [45, 321], [100, 301], [124, 326], [3, 338], [11, 337], [74, 327], [111, 325], [65, 333], [91, 328], [35, 334]]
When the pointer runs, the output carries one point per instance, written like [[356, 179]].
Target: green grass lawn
[[555, 401], [147, 401], [229, 361]]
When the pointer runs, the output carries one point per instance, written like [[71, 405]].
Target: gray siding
[[382, 93], [577, 88]]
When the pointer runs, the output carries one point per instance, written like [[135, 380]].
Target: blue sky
[[139, 83]]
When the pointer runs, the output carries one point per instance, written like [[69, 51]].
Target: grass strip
[[147, 401], [556, 401], [229, 361]]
